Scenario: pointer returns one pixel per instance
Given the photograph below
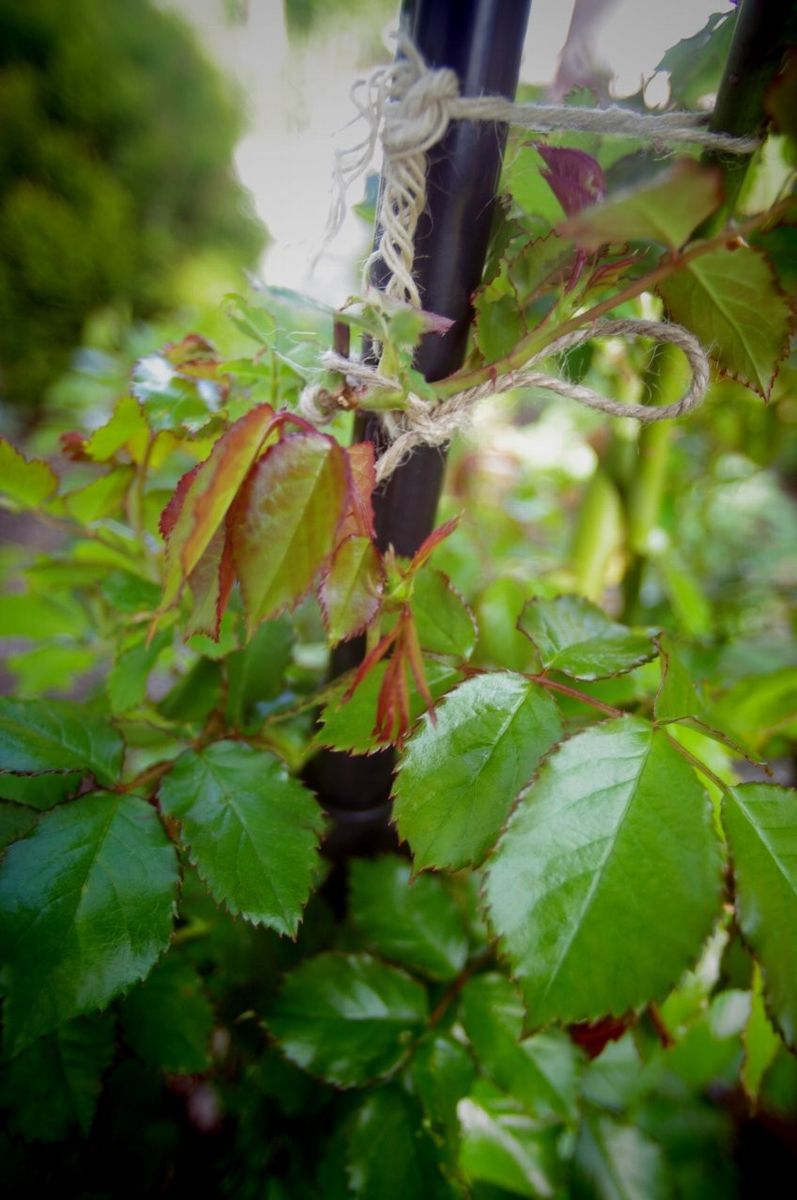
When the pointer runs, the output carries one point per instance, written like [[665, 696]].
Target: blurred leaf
[[256, 673], [351, 588], [415, 923], [126, 430], [26, 483], [619, 1162], [676, 697], [574, 177], [103, 497], [389, 1154], [761, 1043], [760, 820], [459, 775], [54, 1084], [167, 1020], [442, 1072], [610, 803], [53, 735], [504, 1146], [15, 822], [347, 1018], [128, 677], [696, 63]]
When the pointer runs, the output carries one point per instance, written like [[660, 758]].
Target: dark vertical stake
[[482, 41]]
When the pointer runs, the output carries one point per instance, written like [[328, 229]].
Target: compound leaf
[[575, 637]]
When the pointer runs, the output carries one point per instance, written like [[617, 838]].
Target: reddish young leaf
[[360, 517], [285, 522], [202, 501], [574, 177], [431, 543], [211, 583], [350, 591]]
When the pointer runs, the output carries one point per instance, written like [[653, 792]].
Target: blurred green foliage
[[115, 167]]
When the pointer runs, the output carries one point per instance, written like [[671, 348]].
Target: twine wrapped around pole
[[408, 107]]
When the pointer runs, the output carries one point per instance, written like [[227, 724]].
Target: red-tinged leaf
[[393, 708], [285, 523], [168, 518], [594, 1036], [210, 493], [211, 583], [362, 471], [429, 544], [73, 445], [574, 177], [351, 589]]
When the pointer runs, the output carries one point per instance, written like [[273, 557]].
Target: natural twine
[[409, 106]]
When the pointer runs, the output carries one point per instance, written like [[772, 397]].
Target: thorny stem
[[536, 341]]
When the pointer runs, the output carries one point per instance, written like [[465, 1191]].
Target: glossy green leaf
[[351, 588], [54, 1085], [54, 735], [40, 791], [575, 637], [458, 778], [349, 725], [168, 1020], [760, 821], [25, 483], [285, 527], [389, 1154], [614, 813], [347, 1018], [619, 1162], [416, 924], [86, 907], [444, 622], [204, 496], [504, 1146], [665, 210], [540, 1071], [729, 298], [251, 830]]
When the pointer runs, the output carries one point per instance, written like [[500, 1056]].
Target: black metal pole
[[482, 40]]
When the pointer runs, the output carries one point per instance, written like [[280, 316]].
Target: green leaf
[[130, 593], [665, 210], [126, 430], [15, 822], [540, 1071], [252, 831], [350, 725], [695, 64], [347, 1018], [101, 498], [48, 669], [575, 637], [40, 791], [540, 262], [609, 859], [619, 1162], [761, 1043], [390, 1156], [168, 1020], [194, 696], [285, 529], [351, 588], [730, 299], [54, 1084], [443, 620], [87, 902], [37, 616], [676, 698], [25, 483], [760, 821], [416, 924], [442, 1072], [37, 736], [504, 1146], [128, 678], [499, 323], [458, 778], [256, 673]]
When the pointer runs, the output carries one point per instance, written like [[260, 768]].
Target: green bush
[[115, 166]]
